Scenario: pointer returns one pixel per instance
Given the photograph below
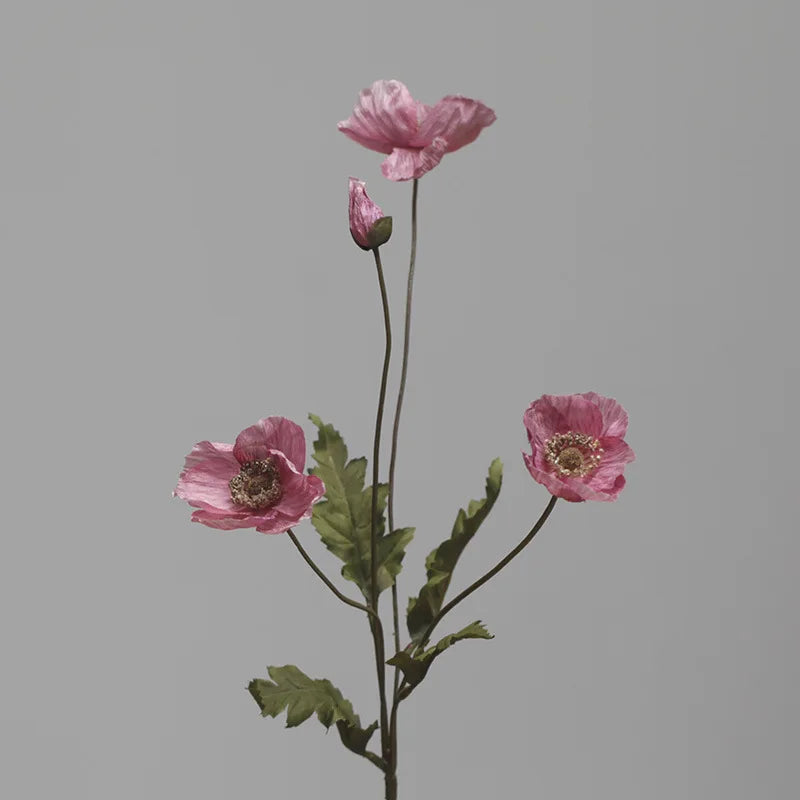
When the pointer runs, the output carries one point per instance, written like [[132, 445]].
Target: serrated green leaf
[[342, 519], [415, 668], [391, 549], [441, 562], [475, 630], [301, 696]]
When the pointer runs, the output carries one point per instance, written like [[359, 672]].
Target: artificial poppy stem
[[376, 447], [392, 466], [405, 690], [321, 574], [399, 406], [375, 623], [490, 574]]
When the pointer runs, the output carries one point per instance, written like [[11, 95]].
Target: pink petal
[[226, 522], [273, 433], [589, 491], [456, 119], [277, 523], [615, 418], [607, 481], [405, 164], [552, 414], [300, 491], [616, 454], [588, 413], [364, 213], [203, 483], [575, 490], [386, 116], [550, 481]]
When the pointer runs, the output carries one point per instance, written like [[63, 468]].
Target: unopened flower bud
[[368, 226]]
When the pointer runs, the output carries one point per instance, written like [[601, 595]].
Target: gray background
[[177, 264]]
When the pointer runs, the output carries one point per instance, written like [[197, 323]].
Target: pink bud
[[368, 226]]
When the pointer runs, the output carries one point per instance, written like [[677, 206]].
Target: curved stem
[[327, 582], [376, 447], [392, 465], [405, 689], [375, 623], [397, 411], [490, 574]]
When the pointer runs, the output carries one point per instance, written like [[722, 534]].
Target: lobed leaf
[[342, 519], [441, 562], [415, 668], [354, 737], [301, 696]]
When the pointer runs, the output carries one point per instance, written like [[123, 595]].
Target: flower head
[[368, 227], [578, 450], [258, 482], [415, 136]]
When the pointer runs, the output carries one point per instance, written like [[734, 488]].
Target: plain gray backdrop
[[176, 264]]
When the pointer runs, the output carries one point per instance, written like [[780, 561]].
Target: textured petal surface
[[300, 491], [458, 120], [550, 481], [616, 454], [386, 116], [277, 523], [405, 164], [587, 413], [364, 213], [615, 417], [204, 480], [226, 522], [273, 433], [552, 414]]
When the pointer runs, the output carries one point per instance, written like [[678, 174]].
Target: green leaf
[[301, 696], [391, 549], [354, 737], [415, 668], [342, 519], [441, 562]]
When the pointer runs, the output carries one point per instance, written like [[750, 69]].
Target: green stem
[[405, 690], [490, 574], [375, 624], [325, 580], [380, 656], [391, 785], [392, 465], [376, 447], [399, 406], [375, 759]]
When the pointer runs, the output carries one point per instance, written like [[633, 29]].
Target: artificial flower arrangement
[[577, 452]]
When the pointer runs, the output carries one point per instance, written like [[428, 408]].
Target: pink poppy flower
[[415, 136], [258, 482], [578, 450], [368, 226]]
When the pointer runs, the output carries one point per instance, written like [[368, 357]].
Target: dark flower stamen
[[257, 486], [573, 454]]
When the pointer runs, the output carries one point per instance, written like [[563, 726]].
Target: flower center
[[573, 454], [257, 486]]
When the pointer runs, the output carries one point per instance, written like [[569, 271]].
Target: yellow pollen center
[[573, 454]]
